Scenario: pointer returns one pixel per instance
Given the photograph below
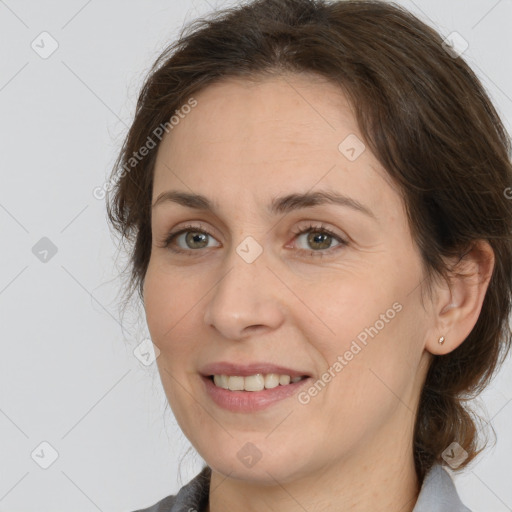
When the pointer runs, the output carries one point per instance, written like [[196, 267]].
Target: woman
[[316, 193]]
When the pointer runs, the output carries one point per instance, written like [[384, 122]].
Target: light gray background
[[68, 375]]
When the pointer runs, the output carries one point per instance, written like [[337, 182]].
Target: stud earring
[[441, 340]]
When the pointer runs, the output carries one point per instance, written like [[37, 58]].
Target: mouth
[[248, 394], [248, 388], [254, 383]]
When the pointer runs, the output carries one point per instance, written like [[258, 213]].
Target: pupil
[[193, 238], [313, 239]]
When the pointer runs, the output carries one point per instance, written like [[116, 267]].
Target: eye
[[194, 237], [319, 238]]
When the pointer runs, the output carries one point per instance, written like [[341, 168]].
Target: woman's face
[[248, 295]]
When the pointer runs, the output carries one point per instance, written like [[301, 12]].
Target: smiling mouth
[[257, 382]]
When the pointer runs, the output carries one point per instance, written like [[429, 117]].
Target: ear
[[458, 304]]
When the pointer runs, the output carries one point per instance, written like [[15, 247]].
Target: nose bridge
[[245, 295]]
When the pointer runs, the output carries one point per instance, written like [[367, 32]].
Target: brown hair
[[424, 115]]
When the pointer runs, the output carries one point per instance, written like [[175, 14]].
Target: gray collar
[[438, 493]]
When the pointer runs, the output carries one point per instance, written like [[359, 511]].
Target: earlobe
[[459, 303]]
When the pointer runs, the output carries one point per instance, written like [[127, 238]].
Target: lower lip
[[250, 401]]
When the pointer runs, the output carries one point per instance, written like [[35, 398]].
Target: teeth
[[221, 381], [253, 382], [271, 380], [236, 383], [256, 382], [284, 380]]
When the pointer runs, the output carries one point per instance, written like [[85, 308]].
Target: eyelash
[[311, 227]]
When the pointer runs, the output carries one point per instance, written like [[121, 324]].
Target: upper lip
[[244, 370]]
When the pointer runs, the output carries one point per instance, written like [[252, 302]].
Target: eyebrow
[[278, 205]]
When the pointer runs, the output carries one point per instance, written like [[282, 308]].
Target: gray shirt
[[437, 494]]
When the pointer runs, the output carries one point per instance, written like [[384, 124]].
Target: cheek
[[378, 375], [169, 306], [166, 302], [372, 343], [349, 307]]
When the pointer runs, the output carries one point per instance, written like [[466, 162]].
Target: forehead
[[267, 136], [296, 108]]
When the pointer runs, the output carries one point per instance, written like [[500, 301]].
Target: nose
[[246, 299]]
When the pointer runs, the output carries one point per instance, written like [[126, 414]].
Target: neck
[[377, 479]]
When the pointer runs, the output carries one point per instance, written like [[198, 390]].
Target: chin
[[260, 474], [259, 462]]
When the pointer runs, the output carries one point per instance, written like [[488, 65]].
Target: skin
[[351, 445]]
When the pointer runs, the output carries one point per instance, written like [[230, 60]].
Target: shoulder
[[438, 493], [192, 496], [165, 504]]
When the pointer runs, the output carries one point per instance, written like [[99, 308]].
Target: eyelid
[[171, 236], [321, 227], [311, 226], [343, 241]]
